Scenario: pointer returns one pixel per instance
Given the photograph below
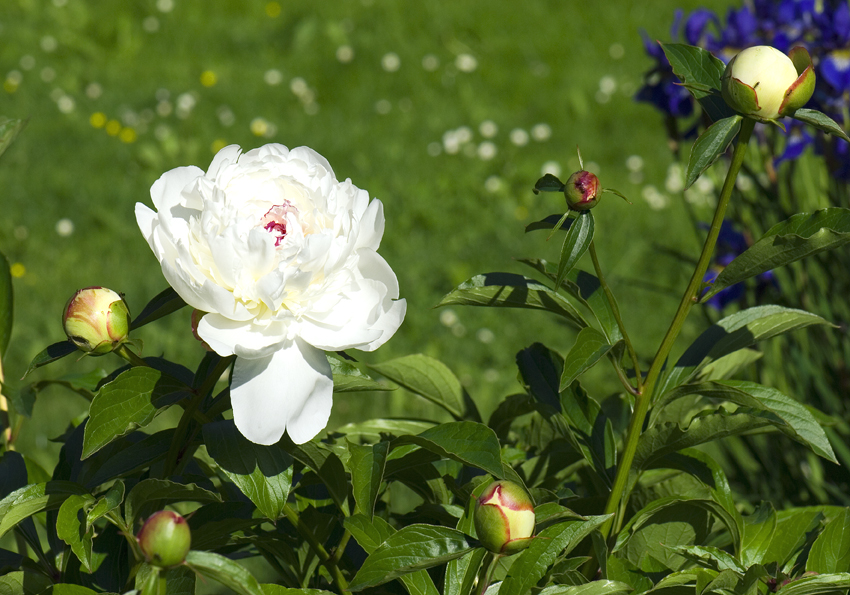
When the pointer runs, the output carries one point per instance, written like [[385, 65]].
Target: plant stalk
[[618, 497], [328, 561]]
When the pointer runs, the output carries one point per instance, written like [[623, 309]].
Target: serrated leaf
[[9, 130], [149, 494], [262, 473], [28, 500], [428, 378], [557, 540], [590, 346], [710, 145], [817, 585], [367, 465], [820, 121], [734, 332], [698, 68], [348, 378], [577, 241], [412, 548], [225, 571], [468, 442], [800, 236], [164, 303], [830, 552], [129, 402], [506, 290], [50, 354]]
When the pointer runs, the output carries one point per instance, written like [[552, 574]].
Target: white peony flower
[[283, 258]]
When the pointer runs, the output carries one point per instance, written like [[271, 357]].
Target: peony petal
[[243, 339], [371, 226], [167, 191], [290, 390]]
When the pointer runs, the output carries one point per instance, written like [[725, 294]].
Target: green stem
[[340, 549], [328, 561], [618, 497], [616, 311], [130, 356], [488, 575]]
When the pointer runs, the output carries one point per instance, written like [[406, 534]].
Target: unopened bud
[[96, 320], [504, 518], [165, 539], [582, 191]]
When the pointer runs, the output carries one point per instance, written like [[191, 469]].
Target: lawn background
[[118, 93]]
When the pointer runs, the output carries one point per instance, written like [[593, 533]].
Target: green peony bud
[[582, 191], [764, 83], [165, 539], [96, 320], [504, 518]]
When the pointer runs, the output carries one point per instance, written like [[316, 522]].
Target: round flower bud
[[96, 320], [165, 539], [504, 518], [582, 191], [764, 83]]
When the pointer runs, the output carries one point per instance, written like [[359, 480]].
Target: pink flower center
[[274, 221]]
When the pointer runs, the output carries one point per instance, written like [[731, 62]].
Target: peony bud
[[96, 320], [504, 518], [165, 539], [764, 83], [582, 191]]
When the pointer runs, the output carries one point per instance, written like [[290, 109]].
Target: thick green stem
[[328, 561], [487, 577], [616, 311], [618, 497]]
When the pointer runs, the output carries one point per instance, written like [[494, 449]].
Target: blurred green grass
[[118, 93]]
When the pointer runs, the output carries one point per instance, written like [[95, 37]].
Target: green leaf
[[348, 378], [24, 583], [225, 571], [68, 589], [371, 533], [107, 503], [428, 378], [373, 430], [701, 72], [817, 585], [461, 572], [830, 552], [468, 442], [590, 346], [506, 290], [735, 332], [412, 548], [73, 528], [710, 557], [577, 241], [270, 589], [9, 130], [598, 587], [367, 472], [551, 543], [262, 473], [548, 183], [164, 303], [129, 402], [820, 121], [710, 145], [34, 498], [151, 494], [793, 420], [325, 464], [800, 236], [50, 355], [759, 529], [556, 221], [790, 534], [6, 304], [587, 290]]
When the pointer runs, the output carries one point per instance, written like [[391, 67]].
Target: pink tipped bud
[[96, 320], [165, 539], [504, 518], [582, 191]]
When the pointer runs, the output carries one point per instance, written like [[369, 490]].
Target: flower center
[[274, 221]]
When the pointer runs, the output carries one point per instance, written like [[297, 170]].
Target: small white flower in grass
[[283, 259]]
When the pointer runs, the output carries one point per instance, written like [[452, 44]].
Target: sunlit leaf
[[710, 145], [590, 346], [577, 241], [820, 121], [702, 71]]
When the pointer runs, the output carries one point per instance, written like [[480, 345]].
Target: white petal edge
[[288, 391]]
